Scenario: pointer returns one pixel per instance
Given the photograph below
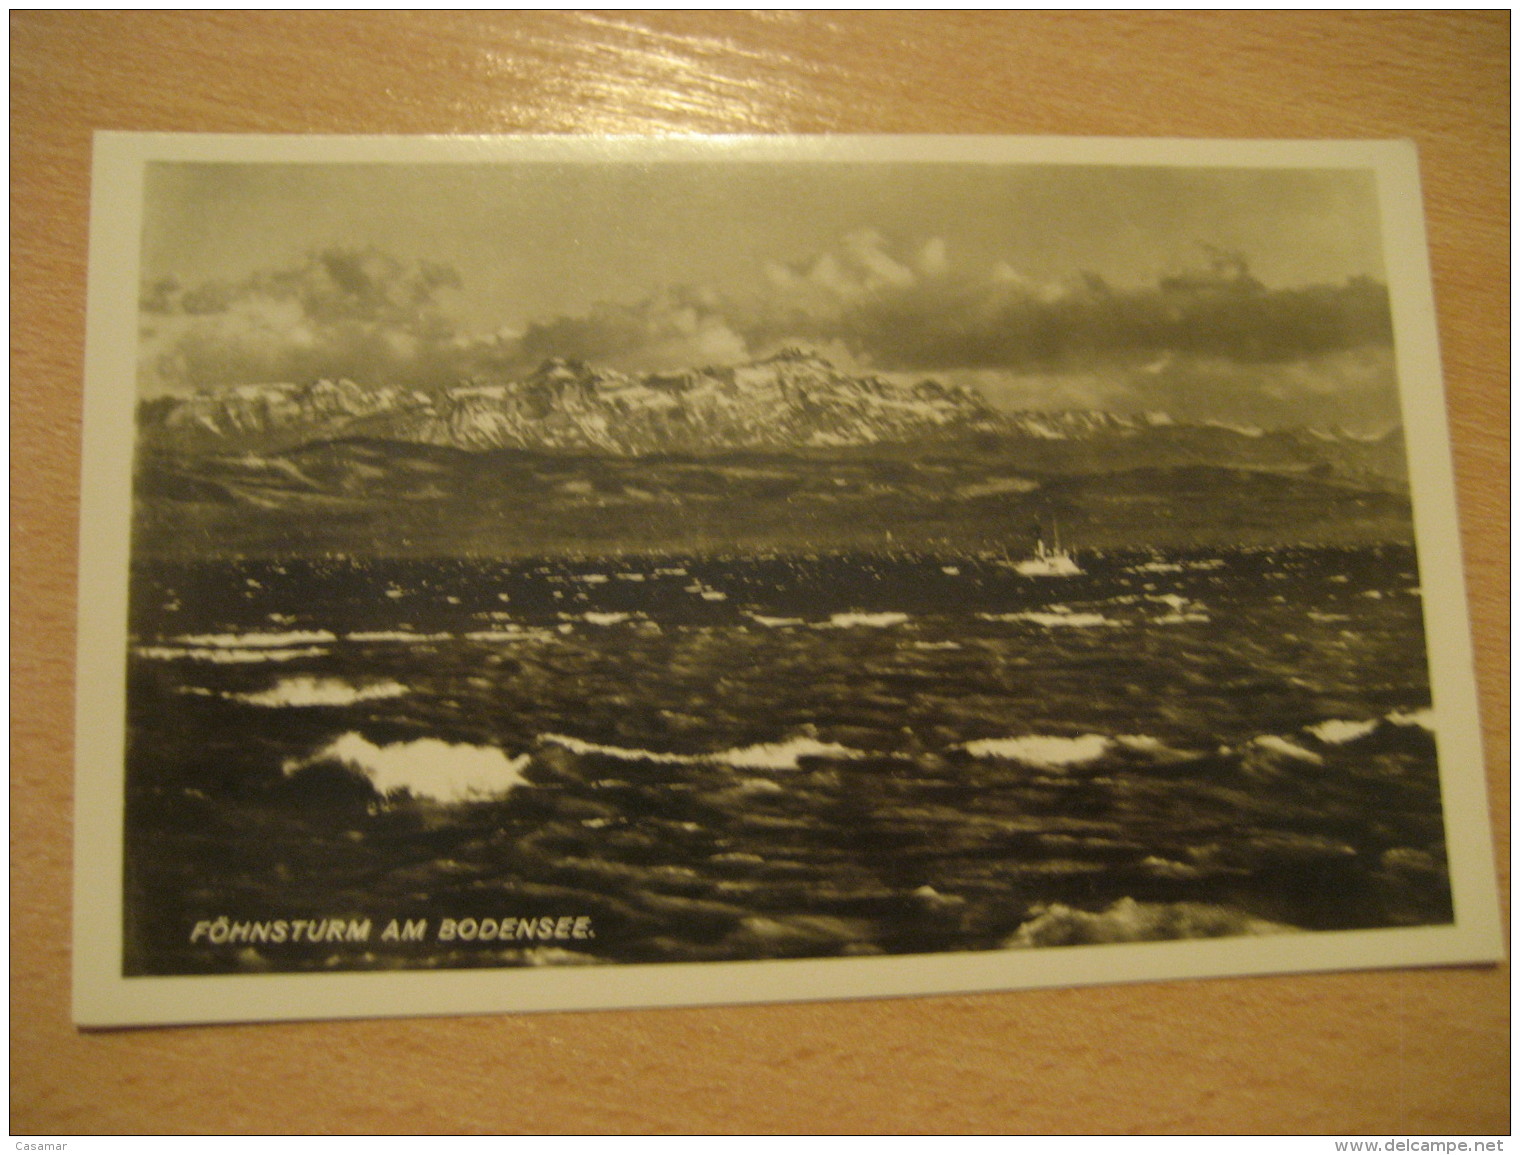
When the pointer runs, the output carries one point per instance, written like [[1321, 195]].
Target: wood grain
[[1394, 1052]]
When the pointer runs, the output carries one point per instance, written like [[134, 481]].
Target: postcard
[[553, 573]]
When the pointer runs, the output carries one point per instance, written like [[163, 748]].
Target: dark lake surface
[[685, 759]]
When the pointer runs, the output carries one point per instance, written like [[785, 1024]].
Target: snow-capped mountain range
[[793, 401]]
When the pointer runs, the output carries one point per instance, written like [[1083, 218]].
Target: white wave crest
[[1131, 921], [766, 756], [395, 636], [1056, 616], [1282, 746], [784, 755], [1337, 732], [774, 623], [1183, 609], [512, 634], [875, 621], [225, 656], [427, 768], [1043, 751], [320, 692], [606, 619], [1425, 719], [627, 754], [258, 640]]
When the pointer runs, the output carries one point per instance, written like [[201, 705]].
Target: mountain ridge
[[784, 453], [791, 401]]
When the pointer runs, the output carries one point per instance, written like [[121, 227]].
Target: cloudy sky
[[1249, 295]]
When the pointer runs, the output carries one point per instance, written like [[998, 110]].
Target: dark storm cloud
[[1092, 321], [675, 329], [902, 312], [357, 313]]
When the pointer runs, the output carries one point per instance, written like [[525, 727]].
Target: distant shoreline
[[583, 513]]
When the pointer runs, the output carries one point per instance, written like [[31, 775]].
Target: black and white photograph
[[539, 574]]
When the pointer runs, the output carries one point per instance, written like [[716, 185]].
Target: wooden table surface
[[1395, 1052]]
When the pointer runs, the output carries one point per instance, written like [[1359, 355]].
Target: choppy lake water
[[648, 759]]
